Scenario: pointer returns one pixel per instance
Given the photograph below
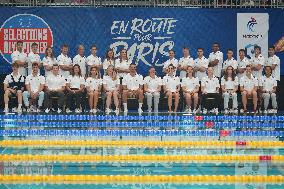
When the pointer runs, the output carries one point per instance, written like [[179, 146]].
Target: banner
[[147, 33], [252, 30]]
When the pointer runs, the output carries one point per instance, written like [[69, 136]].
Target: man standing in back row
[[274, 62], [64, 61], [21, 57], [216, 60], [184, 62], [257, 63]]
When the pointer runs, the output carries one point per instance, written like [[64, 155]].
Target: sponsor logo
[[27, 28], [251, 24]]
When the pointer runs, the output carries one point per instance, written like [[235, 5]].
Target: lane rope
[[141, 158], [140, 144], [140, 179]]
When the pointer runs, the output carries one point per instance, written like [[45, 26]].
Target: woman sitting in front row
[[152, 88], [111, 85], [171, 87], [75, 86], [190, 87], [94, 87], [229, 84], [248, 87]]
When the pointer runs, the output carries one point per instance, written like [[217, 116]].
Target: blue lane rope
[[216, 125], [201, 133]]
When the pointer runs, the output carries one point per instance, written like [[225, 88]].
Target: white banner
[[252, 30]]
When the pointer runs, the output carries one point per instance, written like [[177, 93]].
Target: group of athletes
[[198, 81]]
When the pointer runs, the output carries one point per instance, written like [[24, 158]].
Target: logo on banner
[[27, 28], [251, 23], [249, 48], [250, 33], [146, 40]]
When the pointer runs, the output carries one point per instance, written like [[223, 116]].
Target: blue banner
[[147, 33]]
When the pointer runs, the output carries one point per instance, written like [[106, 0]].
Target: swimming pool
[[147, 151]]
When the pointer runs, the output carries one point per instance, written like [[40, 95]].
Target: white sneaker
[[194, 111], [91, 111], [198, 110], [226, 111], [149, 110], [235, 111], [216, 111], [116, 111], [59, 110], [265, 111], [33, 108], [6, 110], [204, 111], [38, 110], [19, 110], [189, 110], [125, 110], [14, 109], [140, 111], [28, 109], [274, 111], [68, 111], [107, 111], [77, 111], [47, 110], [94, 111], [241, 111]]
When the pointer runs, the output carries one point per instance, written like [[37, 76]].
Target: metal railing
[[148, 3]]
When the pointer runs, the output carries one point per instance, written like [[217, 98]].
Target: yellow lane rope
[[141, 144], [140, 158], [141, 179]]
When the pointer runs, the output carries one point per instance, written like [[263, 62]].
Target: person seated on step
[[248, 87], [152, 87], [268, 85], [171, 85], [75, 86], [54, 87], [111, 86], [94, 88], [14, 85], [132, 84], [210, 89], [34, 89], [190, 87], [229, 85]]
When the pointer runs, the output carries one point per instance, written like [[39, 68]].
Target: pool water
[[32, 145]]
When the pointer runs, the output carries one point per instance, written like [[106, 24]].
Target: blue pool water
[[12, 128]]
